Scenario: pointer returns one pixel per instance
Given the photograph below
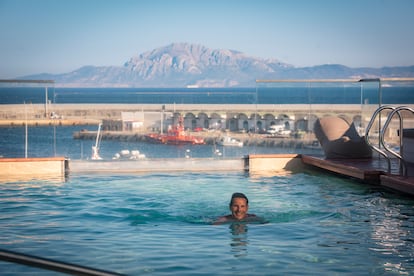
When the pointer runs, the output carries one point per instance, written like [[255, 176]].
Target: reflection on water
[[30, 178], [239, 239], [390, 232]]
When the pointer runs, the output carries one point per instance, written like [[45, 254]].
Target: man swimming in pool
[[239, 205]]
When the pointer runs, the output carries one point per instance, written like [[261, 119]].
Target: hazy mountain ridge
[[183, 64]]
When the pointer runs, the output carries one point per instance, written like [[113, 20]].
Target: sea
[[349, 94], [45, 141]]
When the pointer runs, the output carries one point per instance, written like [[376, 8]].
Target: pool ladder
[[385, 151]]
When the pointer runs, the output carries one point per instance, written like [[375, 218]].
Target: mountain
[[184, 64]]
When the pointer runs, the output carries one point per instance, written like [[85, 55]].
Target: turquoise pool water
[[160, 224]]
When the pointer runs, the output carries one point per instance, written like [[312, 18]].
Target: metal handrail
[[367, 130], [385, 146], [403, 165], [48, 264]]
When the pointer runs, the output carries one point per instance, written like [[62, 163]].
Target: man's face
[[239, 208]]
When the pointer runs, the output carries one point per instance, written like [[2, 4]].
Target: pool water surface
[[161, 224]]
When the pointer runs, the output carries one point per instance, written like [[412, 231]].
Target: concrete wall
[[32, 168], [274, 164]]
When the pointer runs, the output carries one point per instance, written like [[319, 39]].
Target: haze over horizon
[[59, 36]]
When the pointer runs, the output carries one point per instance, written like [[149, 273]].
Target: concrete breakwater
[[211, 138], [113, 111], [48, 122], [152, 117]]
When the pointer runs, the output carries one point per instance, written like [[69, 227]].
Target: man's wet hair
[[238, 195]]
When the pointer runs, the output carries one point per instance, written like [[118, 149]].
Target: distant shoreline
[[183, 107]]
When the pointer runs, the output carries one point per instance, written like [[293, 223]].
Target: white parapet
[[274, 164], [32, 168]]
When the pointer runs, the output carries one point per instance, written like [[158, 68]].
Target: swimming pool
[[160, 224]]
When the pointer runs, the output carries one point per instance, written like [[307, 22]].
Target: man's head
[[238, 195], [239, 205]]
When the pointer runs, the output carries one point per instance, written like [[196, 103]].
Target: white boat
[[229, 141], [128, 155], [122, 155]]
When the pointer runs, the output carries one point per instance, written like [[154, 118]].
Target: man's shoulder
[[222, 219]]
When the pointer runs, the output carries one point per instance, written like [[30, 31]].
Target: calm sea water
[[350, 94], [58, 141], [160, 224]]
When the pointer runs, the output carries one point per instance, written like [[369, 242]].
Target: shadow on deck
[[373, 171]]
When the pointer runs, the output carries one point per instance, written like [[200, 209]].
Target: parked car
[[273, 129]]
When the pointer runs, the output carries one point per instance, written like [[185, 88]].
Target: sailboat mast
[[97, 136]]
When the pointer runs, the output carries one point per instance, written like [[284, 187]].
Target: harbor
[[101, 154], [209, 137]]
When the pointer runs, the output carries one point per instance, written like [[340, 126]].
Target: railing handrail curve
[[397, 110]]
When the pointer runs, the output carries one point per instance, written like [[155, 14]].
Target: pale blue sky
[[59, 36]]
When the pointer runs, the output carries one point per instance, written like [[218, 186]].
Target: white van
[[275, 129]]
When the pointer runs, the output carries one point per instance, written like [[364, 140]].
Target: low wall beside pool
[[33, 168]]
